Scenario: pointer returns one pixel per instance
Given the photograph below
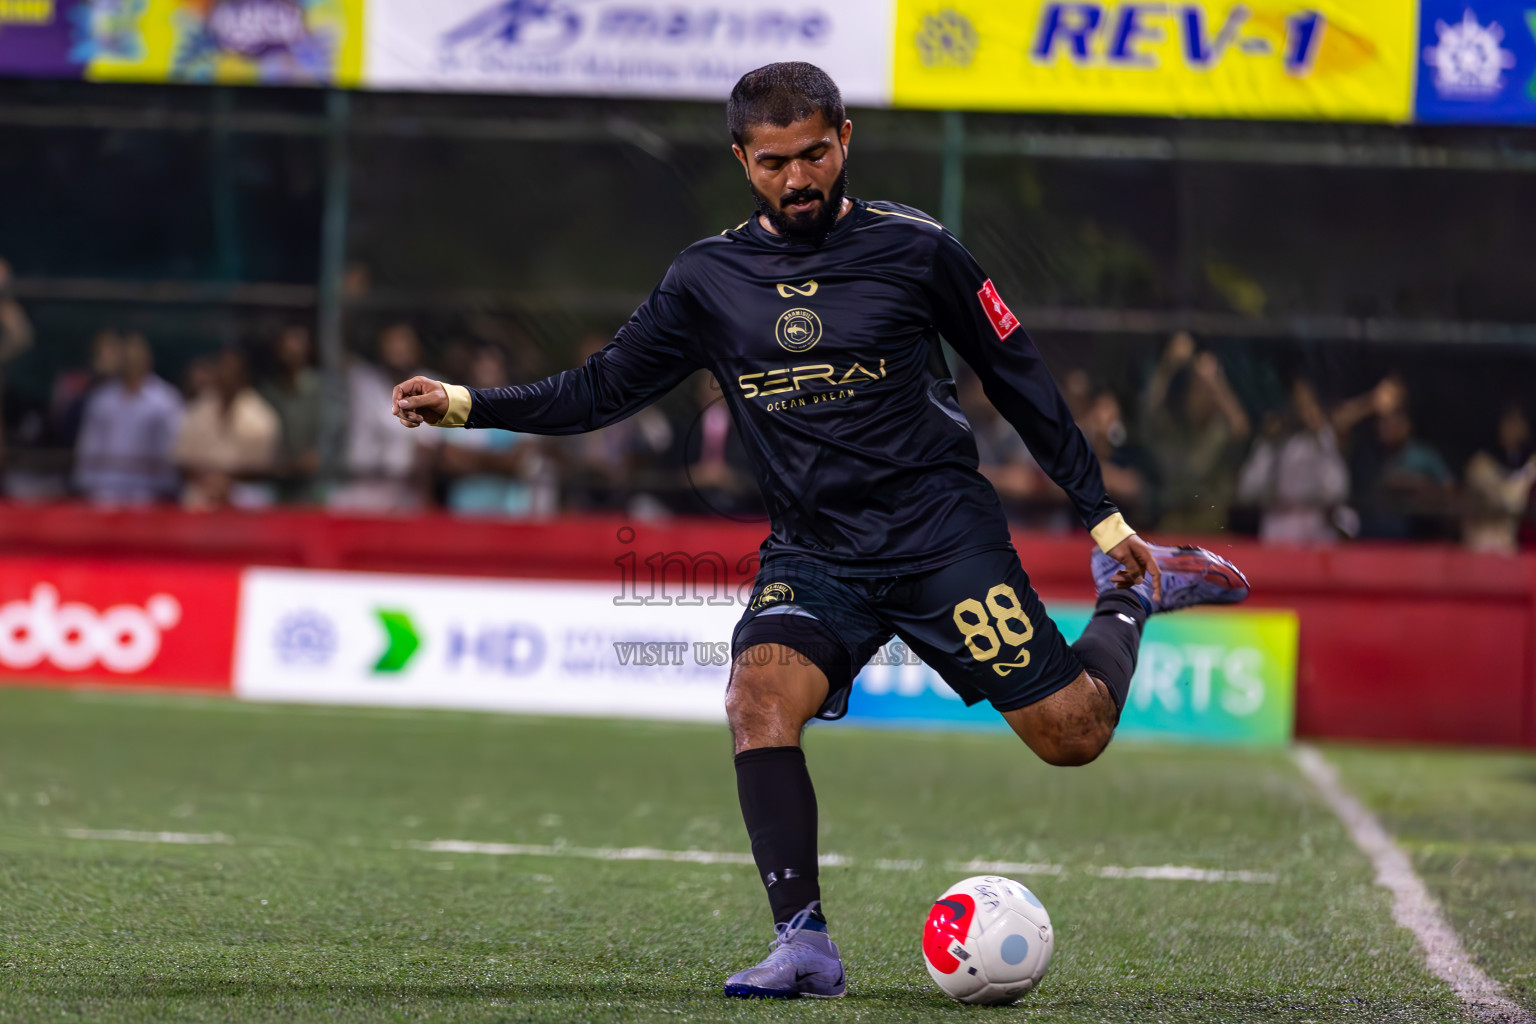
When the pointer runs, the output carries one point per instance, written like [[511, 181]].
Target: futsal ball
[[988, 940]]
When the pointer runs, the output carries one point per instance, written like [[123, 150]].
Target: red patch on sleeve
[[1003, 320]]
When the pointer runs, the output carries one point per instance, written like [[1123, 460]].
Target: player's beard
[[807, 227]]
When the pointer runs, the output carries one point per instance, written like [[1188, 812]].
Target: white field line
[[1174, 872], [1168, 872], [586, 852], [834, 860], [125, 836], [1005, 867], [1412, 905]]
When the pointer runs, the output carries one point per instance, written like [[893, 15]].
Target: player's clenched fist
[[420, 400]]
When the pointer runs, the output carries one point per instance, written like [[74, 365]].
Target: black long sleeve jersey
[[829, 358]]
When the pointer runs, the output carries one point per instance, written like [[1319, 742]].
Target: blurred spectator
[[73, 388], [1296, 477], [600, 466], [496, 472], [457, 359], [1197, 429], [707, 471], [40, 435], [1077, 388], [123, 454], [356, 282], [1129, 472], [228, 441], [1499, 486], [1402, 486], [1029, 497], [200, 377], [294, 393], [382, 460], [15, 328]]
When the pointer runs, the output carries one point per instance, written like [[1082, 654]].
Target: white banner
[[648, 647], [514, 645], [680, 50]]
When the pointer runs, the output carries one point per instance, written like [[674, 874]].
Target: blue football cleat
[[1191, 576], [803, 963]]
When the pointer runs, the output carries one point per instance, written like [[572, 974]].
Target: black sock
[[1108, 645], [778, 804]]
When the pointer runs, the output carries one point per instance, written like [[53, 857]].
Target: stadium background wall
[[1421, 643]]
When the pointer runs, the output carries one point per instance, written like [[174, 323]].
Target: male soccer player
[[821, 317]]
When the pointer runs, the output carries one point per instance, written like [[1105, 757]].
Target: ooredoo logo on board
[[145, 624], [75, 636]]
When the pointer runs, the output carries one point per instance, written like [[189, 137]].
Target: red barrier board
[[133, 623], [1398, 642]]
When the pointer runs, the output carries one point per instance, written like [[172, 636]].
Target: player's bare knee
[[1075, 749], [1070, 727], [760, 711]]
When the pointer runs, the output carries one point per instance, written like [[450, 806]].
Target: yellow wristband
[[1111, 531], [459, 402]]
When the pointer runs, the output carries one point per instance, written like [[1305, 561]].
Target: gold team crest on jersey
[[798, 329], [772, 593]]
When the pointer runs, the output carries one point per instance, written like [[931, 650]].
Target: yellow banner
[[233, 42], [1324, 59]]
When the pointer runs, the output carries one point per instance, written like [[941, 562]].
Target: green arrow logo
[[1530, 23], [403, 641]]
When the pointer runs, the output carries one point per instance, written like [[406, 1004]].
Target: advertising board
[[430, 641], [1477, 62], [41, 38], [150, 624], [237, 42], [1332, 59], [692, 49], [1223, 677], [1354, 60], [555, 647]]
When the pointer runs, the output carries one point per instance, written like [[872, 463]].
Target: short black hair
[[781, 94]]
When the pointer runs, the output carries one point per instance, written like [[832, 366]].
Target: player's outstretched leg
[[773, 692], [1191, 576], [1109, 644], [1073, 725]]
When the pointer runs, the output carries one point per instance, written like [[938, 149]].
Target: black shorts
[[976, 622]]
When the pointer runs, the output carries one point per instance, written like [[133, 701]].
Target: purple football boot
[[804, 962], [1191, 576]]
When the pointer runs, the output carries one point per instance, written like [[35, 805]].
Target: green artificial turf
[[1468, 820], [317, 907]]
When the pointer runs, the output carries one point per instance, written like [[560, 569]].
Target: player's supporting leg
[[774, 691], [1073, 725]]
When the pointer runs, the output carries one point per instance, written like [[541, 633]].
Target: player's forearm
[[568, 403], [1020, 386], [1066, 457], [1084, 484], [562, 404]]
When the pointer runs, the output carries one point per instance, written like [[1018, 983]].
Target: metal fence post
[[952, 173], [333, 257]]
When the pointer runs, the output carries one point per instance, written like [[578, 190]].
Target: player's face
[[798, 173]]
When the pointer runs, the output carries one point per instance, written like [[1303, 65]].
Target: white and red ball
[[988, 940]]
